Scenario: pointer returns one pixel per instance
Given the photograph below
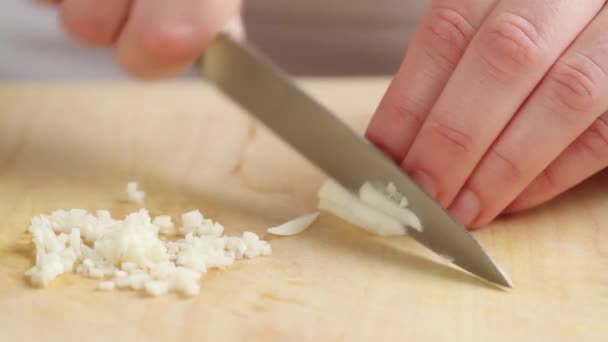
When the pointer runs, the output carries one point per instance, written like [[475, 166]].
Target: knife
[[247, 77]]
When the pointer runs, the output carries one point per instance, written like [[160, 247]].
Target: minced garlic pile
[[138, 252]]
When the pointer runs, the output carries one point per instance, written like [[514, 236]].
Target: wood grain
[[75, 145]]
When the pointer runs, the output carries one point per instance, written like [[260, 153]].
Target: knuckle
[[595, 139], [578, 85], [448, 33], [510, 45], [504, 167], [453, 138], [86, 28], [549, 178], [387, 129], [404, 109]]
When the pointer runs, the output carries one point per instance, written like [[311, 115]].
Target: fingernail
[[425, 182], [466, 207], [234, 28]]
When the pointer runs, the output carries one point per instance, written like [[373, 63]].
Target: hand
[[150, 38], [499, 104]]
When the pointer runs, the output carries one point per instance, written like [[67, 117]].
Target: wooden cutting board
[[76, 145]]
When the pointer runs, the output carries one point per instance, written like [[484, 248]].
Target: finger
[[568, 100], [94, 22], [235, 28], [48, 2], [441, 38], [513, 49], [583, 158], [162, 37]]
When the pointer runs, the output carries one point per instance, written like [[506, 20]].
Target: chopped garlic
[[295, 226], [120, 274], [130, 254], [186, 281], [134, 194], [164, 224], [373, 197], [106, 286], [128, 266], [191, 221], [156, 288], [75, 239], [391, 192], [236, 246], [138, 279], [365, 217], [122, 282], [380, 211], [96, 273]]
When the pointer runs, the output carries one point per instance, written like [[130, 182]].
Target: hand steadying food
[[497, 107]]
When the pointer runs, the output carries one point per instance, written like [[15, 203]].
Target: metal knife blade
[[248, 78]]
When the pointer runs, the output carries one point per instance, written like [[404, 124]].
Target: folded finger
[[514, 48], [443, 34], [568, 100]]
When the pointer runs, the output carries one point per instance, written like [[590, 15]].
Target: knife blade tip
[[503, 278]]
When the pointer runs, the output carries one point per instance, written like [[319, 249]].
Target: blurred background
[[313, 37]]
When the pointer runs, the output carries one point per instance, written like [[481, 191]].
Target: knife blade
[[248, 78]]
